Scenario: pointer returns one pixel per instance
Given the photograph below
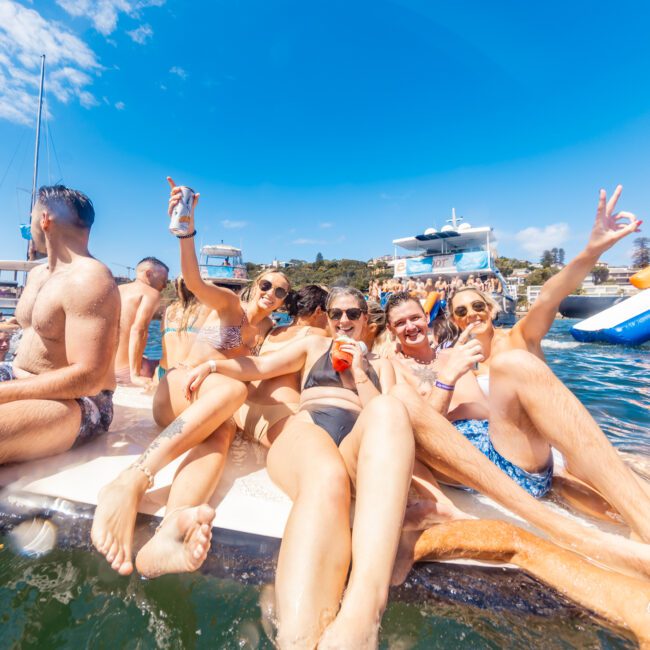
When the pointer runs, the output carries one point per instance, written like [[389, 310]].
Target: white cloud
[[536, 240], [24, 36], [227, 223], [142, 34], [104, 14], [305, 241], [325, 224], [120, 106], [178, 71]]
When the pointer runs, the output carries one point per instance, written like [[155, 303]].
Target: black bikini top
[[322, 373]]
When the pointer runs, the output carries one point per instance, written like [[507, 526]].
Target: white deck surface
[[245, 501]]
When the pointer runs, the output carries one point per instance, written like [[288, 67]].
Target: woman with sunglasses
[[347, 432], [235, 327]]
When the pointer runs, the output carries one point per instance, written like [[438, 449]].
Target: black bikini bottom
[[338, 422]]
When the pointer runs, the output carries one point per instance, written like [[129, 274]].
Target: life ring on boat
[[641, 279]]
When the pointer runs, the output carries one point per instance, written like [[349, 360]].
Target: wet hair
[[337, 292], [53, 196], [153, 260], [306, 301], [489, 300], [247, 292]]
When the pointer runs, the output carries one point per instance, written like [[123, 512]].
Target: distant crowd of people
[[352, 401], [443, 286]]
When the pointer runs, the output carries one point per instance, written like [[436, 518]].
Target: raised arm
[[609, 227], [91, 321], [214, 297]]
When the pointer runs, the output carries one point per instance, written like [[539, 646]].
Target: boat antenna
[[31, 252], [454, 219]]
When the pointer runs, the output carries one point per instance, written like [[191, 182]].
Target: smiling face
[[267, 290], [408, 322], [469, 307], [344, 326]]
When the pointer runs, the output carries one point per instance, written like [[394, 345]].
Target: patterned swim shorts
[[537, 484], [96, 411]]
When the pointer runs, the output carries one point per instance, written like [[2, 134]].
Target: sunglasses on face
[[354, 313], [280, 292], [478, 306]]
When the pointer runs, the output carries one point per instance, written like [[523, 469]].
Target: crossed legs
[[112, 531]]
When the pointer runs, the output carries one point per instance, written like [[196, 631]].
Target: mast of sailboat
[[30, 248]]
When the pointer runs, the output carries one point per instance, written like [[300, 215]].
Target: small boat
[[223, 265], [586, 306], [457, 250]]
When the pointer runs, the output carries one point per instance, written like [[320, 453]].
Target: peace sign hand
[[609, 227]]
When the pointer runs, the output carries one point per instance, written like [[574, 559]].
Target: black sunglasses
[[280, 292], [354, 313], [478, 306]]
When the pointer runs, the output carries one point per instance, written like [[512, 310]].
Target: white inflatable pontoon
[[627, 323]]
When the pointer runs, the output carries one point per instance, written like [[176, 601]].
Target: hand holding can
[[182, 202]]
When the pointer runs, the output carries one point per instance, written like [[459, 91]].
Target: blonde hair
[[247, 292], [489, 301]]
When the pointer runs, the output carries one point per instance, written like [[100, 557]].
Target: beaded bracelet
[[145, 470], [440, 384], [188, 236]]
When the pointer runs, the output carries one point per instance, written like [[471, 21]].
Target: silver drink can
[[180, 221]]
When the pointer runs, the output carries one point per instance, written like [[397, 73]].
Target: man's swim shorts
[[537, 484]]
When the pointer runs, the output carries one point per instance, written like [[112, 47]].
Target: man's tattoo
[[173, 430], [424, 374]]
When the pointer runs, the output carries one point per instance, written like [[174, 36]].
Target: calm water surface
[[70, 598]]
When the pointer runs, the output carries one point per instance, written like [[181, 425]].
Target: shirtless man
[[58, 391], [430, 387], [140, 300]]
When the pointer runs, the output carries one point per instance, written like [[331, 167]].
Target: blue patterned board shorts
[[96, 411], [537, 484]]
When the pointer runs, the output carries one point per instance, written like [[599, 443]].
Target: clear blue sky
[[328, 126]]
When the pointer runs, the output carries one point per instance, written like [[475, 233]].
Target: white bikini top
[[484, 383]]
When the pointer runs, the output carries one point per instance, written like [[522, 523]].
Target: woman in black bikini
[[347, 430]]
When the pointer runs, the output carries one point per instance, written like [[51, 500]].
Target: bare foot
[[419, 516], [349, 633], [114, 521], [180, 544]]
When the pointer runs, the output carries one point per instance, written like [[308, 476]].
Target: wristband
[[361, 381], [440, 384], [188, 236], [213, 365]]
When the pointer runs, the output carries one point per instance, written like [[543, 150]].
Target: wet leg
[[379, 453], [315, 552], [185, 549], [112, 530], [37, 428], [441, 447], [530, 410], [622, 600]]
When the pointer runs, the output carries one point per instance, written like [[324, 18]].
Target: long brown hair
[[186, 302]]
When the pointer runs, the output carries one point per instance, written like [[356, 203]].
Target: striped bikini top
[[226, 337]]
